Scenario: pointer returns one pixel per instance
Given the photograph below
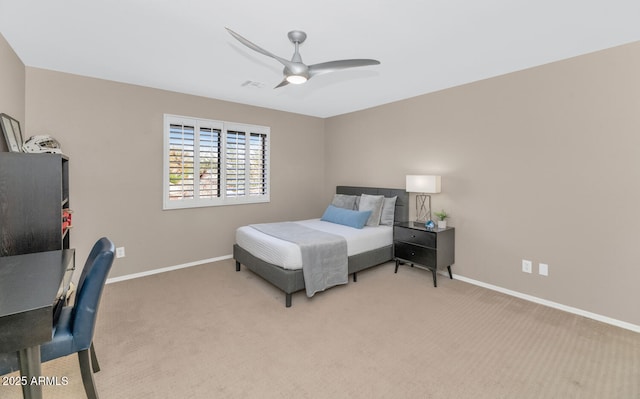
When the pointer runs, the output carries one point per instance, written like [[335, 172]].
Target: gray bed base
[[291, 281]]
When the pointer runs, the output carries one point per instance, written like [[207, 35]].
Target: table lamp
[[423, 185]]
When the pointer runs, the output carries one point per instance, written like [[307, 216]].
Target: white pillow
[[344, 201], [388, 211], [374, 204]]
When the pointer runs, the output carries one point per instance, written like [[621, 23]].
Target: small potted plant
[[442, 216]]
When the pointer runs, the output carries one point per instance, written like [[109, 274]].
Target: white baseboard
[[579, 312], [166, 269]]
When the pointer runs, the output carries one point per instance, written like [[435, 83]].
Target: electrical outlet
[[543, 269], [526, 266], [120, 252]]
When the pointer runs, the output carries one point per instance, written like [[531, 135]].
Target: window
[[208, 163]]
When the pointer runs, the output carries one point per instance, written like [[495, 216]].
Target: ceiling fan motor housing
[[297, 36]]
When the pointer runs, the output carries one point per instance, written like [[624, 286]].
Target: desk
[[30, 286]]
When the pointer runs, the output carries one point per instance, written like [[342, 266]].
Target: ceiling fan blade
[[259, 49], [283, 83], [324, 67]]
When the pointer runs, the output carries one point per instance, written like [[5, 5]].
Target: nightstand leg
[[435, 283], [450, 275], [397, 264]]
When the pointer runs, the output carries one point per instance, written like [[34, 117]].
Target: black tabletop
[[28, 287], [421, 226]]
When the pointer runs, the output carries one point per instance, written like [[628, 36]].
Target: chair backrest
[[89, 291]]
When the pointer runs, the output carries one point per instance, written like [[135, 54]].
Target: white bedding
[[287, 254]]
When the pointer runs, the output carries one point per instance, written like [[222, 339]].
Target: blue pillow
[[347, 217]]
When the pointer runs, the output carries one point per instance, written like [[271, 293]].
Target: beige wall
[[12, 78], [542, 164], [113, 135]]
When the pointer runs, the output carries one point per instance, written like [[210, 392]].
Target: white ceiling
[[423, 45]]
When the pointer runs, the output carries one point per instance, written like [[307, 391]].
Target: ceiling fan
[[295, 71]]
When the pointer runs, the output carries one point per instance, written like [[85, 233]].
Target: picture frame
[[12, 133], [17, 132]]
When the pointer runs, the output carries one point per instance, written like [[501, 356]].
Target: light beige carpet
[[211, 332]]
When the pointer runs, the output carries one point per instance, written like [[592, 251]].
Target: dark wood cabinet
[[34, 195], [415, 244]]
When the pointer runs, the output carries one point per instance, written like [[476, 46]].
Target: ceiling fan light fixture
[[296, 79]]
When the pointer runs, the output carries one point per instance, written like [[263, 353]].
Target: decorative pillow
[[388, 211], [346, 217], [372, 203], [344, 201]]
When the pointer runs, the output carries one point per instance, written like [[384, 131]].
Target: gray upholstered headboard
[[402, 203]]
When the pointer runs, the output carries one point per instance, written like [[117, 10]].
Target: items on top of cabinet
[[12, 133], [16, 142], [42, 144]]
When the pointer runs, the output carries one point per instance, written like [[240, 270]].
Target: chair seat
[[62, 344], [9, 363]]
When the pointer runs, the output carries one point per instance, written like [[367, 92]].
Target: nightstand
[[415, 244]]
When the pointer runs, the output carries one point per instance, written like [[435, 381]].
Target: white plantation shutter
[[181, 161], [258, 164], [236, 150], [209, 162], [214, 163]]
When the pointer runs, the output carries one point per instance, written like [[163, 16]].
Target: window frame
[[224, 198]]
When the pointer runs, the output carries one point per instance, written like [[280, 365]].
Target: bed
[[292, 280]]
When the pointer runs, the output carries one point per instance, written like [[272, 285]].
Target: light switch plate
[[543, 269], [526, 266]]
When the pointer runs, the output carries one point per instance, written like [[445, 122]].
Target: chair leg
[[94, 359], [87, 375]]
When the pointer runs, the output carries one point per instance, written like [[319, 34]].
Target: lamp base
[[423, 213]]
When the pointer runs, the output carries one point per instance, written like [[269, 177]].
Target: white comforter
[[287, 254]]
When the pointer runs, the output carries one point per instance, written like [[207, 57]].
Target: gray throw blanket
[[324, 255]]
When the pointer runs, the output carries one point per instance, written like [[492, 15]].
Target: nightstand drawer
[[416, 254], [425, 238]]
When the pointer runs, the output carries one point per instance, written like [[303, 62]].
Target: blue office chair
[[73, 332]]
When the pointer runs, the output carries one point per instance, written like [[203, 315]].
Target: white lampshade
[[427, 184]]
